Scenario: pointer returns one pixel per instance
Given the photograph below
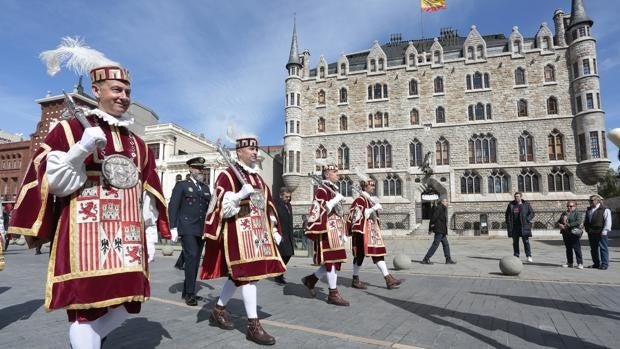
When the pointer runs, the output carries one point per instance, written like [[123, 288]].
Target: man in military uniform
[[187, 210]]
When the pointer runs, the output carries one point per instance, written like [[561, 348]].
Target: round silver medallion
[[258, 200], [119, 171]]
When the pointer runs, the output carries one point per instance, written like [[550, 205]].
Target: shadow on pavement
[[528, 333], [178, 287], [613, 242], [18, 312], [487, 258], [4, 289], [137, 333], [573, 307]]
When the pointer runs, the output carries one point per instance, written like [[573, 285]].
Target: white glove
[[90, 138], [377, 207], [333, 202], [245, 191], [175, 235], [277, 237]]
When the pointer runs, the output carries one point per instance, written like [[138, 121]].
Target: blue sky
[[207, 64]]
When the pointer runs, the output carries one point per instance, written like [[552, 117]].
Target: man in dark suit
[[519, 216], [187, 210], [439, 225], [285, 213]]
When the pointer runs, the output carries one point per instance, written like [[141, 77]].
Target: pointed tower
[[293, 111], [589, 117]]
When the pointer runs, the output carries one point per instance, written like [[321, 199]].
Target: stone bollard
[[510, 265], [401, 261]]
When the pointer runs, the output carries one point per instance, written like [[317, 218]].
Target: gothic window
[[482, 149], [526, 147], [499, 182], [586, 66], [392, 186], [414, 117], [522, 107], [321, 97], [412, 60], [319, 153], [555, 142], [415, 153], [470, 183], [558, 180], [378, 91], [487, 81], [479, 111], [470, 53], [468, 81], [549, 73], [297, 161], [575, 70], [516, 47], [370, 92], [594, 145], [343, 95], [440, 115], [520, 76], [527, 181], [552, 106], [385, 91], [582, 147], [477, 81], [291, 160], [291, 128], [343, 123], [343, 69], [413, 87], [546, 43], [438, 84], [442, 150], [322, 72], [480, 52], [589, 101], [344, 186], [379, 154], [381, 64], [343, 157], [378, 120], [489, 111], [437, 57], [579, 104], [320, 125], [373, 65]]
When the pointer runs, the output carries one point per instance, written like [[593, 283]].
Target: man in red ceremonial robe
[[367, 240], [241, 232], [98, 268], [326, 227]]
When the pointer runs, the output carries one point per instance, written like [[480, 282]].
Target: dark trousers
[[599, 249], [192, 250], [285, 259], [572, 243], [526, 245], [439, 238]]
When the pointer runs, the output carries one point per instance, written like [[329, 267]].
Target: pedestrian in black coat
[[187, 210], [439, 226], [285, 215], [519, 216]]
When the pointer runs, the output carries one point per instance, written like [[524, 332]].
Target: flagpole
[[421, 23]]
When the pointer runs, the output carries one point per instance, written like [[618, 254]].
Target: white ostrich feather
[[361, 175], [230, 134], [75, 55]]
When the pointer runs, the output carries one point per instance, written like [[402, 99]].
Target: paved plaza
[[467, 305]]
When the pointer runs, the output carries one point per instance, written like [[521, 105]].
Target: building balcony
[[592, 171]]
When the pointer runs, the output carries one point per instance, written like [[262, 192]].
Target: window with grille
[[392, 186]]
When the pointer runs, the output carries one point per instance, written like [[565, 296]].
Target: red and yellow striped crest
[[432, 5]]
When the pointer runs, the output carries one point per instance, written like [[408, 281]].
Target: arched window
[[320, 125], [526, 147], [343, 157], [522, 108], [373, 65], [498, 182], [381, 64], [555, 142], [319, 153], [321, 97], [370, 92], [343, 69], [549, 73], [378, 91], [528, 181], [415, 153], [470, 182], [412, 60], [442, 152], [489, 111], [546, 43], [487, 80], [479, 111], [344, 186], [470, 53], [437, 57], [413, 87], [480, 52], [558, 180], [343, 95], [482, 149], [392, 185], [414, 117], [343, 123], [378, 120], [322, 72], [438, 84], [477, 81], [520, 76], [552, 106], [379, 154], [440, 115], [468, 81]]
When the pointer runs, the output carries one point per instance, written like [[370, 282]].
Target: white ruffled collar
[[124, 120], [248, 169]]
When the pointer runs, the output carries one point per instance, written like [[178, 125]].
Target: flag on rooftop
[[432, 5]]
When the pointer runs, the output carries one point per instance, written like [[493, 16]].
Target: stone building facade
[[472, 118]]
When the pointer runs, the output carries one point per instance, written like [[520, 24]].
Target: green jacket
[[573, 220]]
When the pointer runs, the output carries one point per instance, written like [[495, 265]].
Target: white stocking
[[83, 336], [356, 269], [249, 300], [384, 270], [320, 273], [332, 278], [111, 320], [227, 292]]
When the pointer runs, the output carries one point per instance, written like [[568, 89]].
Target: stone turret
[[589, 117]]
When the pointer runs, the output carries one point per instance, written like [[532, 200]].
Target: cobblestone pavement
[[467, 305]]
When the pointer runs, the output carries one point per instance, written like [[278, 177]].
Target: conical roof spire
[[578, 14], [293, 57]]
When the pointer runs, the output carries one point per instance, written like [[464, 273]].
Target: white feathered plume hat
[[326, 164], [241, 140], [76, 56]]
